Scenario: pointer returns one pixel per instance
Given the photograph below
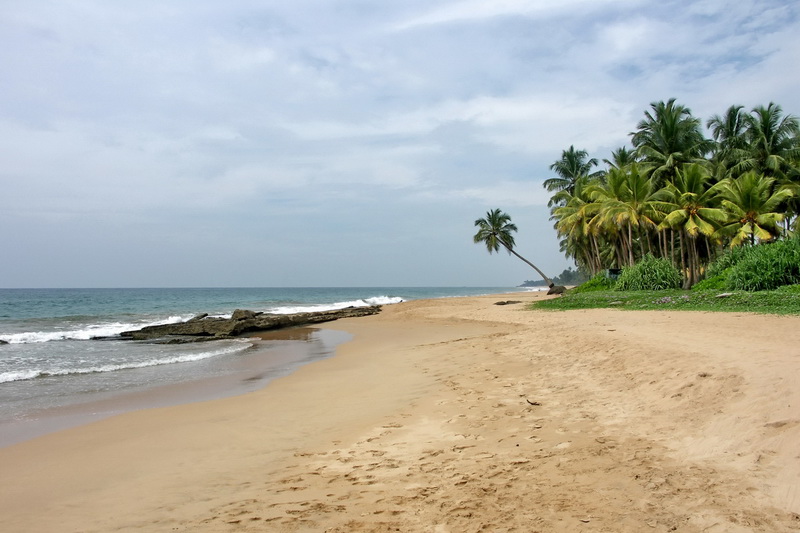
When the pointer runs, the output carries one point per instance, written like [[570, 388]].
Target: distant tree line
[[568, 277], [676, 194]]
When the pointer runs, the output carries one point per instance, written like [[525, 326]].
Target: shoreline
[[455, 415], [274, 354]]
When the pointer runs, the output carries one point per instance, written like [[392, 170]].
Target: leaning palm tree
[[495, 230]]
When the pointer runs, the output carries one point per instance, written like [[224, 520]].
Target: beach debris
[[532, 403], [241, 321], [508, 302]]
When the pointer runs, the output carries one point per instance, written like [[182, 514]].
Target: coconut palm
[[496, 230], [690, 208], [668, 137], [753, 207], [621, 157], [572, 166], [773, 145], [573, 224], [728, 131], [627, 203]]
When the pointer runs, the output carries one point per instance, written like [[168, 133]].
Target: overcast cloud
[[336, 142]]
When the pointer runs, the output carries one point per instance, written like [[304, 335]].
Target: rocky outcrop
[[241, 321]]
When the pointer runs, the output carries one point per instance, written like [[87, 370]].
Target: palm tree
[[621, 157], [573, 223], [495, 230], [572, 166], [668, 137], [753, 207], [773, 145], [728, 132], [627, 202], [689, 207]]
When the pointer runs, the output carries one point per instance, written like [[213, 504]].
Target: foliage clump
[[649, 274], [722, 264], [716, 283], [766, 267], [600, 282]]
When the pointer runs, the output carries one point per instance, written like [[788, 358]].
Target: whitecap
[[87, 332], [23, 375], [365, 302]]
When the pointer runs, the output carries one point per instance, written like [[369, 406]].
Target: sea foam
[[23, 375], [364, 302], [83, 333]]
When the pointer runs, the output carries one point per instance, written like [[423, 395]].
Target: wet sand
[[456, 415], [274, 354]]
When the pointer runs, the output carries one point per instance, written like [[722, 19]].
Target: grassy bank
[[784, 301]]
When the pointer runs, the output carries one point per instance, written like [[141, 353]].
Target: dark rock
[[557, 289], [3, 342], [201, 316], [241, 321], [244, 314]]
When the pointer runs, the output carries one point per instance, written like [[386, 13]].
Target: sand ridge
[[458, 415]]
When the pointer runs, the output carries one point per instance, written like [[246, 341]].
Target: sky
[[199, 143]]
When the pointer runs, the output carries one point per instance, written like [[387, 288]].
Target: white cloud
[[474, 10], [312, 110]]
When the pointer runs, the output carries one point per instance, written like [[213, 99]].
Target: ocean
[[62, 362]]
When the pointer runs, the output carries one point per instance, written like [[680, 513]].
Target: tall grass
[[649, 274], [766, 267]]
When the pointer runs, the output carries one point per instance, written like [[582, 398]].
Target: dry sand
[[456, 415]]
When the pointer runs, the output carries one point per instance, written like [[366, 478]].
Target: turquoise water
[[53, 358]]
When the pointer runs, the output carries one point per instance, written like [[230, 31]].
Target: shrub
[[789, 289], [766, 267], [718, 282], [649, 274], [600, 282], [727, 260]]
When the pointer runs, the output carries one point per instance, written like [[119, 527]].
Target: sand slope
[[457, 415]]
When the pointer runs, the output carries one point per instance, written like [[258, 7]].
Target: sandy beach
[[450, 416]]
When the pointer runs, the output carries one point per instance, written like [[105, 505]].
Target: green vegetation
[[678, 209], [649, 274], [680, 196], [767, 267], [600, 282], [785, 300], [568, 276], [762, 279]]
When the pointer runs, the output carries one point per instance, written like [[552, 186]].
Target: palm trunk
[[672, 247], [598, 257], [683, 257], [641, 240], [544, 277], [630, 244]]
